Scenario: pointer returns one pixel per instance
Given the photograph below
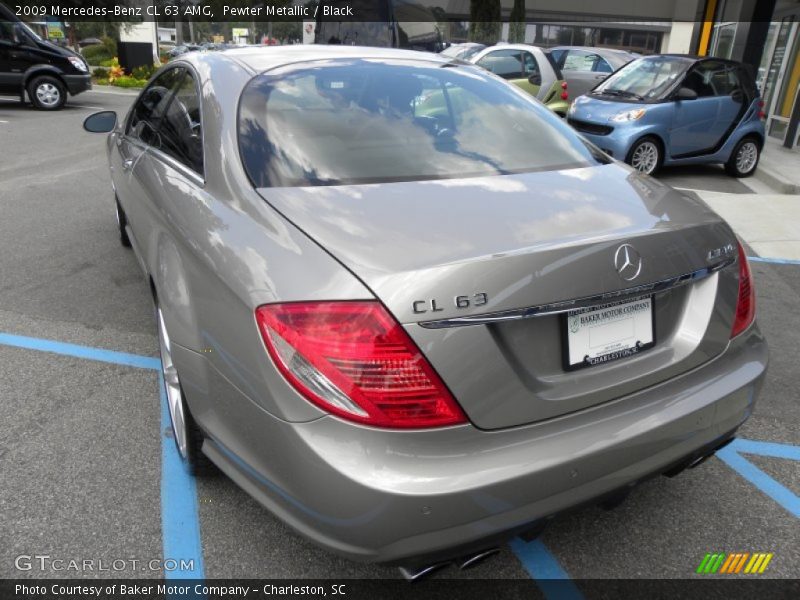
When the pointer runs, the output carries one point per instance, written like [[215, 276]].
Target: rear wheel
[[47, 93], [646, 155], [187, 435], [744, 158]]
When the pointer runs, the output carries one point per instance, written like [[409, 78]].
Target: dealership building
[[762, 33]]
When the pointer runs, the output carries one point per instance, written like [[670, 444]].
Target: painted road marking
[[87, 352], [731, 455], [545, 570], [777, 261], [180, 519]]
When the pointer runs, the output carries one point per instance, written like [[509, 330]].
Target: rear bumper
[[374, 495], [78, 83]]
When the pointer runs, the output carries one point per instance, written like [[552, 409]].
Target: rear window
[[343, 121]]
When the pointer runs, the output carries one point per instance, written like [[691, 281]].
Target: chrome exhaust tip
[[417, 573], [471, 561]]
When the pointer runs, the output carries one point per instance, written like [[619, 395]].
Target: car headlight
[[78, 64], [629, 115]]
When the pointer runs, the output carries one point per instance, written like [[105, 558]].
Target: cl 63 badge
[[432, 305]]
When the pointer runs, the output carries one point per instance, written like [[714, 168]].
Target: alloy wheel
[[645, 157], [172, 387], [746, 157]]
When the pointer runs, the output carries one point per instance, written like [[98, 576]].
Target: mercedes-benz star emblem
[[628, 262]]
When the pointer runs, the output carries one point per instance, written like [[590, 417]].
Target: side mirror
[[101, 122], [686, 93], [535, 79]]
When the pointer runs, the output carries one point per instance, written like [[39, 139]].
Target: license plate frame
[[615, 355]]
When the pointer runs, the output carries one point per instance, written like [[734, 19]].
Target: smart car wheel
[[122, 220], [744, 158], [645, 155], [47, 93], [187, 435]]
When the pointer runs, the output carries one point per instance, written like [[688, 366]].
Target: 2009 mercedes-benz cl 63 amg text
[[411, 311]]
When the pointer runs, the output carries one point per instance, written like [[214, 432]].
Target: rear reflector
[[354, 360], [746, 302]]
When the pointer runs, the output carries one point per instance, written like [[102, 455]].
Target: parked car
[[585, 67], [183, 49], [462, 51], [673, 110], [409, 309], [31, 66], [531, 68]]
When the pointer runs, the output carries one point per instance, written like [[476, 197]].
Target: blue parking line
[[731, 456], [545, 570], [87, 352], [180, 518], [774, 261], [180, 522]]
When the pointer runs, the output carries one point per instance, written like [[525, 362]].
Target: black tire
[[47, 93], [194, 461], [122, 220], [745, 165], [640, 156]]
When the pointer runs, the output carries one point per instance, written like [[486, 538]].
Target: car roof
[[261, 58]]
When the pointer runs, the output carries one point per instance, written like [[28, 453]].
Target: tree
[[484, 26], [516, 27]]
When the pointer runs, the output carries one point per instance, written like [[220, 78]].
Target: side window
[[145, 116], [505, 63], [181, 129], [712, 78], [7, 32], [578, 60], [601, 66], [529, 64]]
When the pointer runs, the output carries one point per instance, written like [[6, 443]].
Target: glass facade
[[554, 34]]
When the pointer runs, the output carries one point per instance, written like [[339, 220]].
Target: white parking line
[[3, 121], [96, 91]]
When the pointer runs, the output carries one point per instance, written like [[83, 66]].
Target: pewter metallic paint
[[540, 440]]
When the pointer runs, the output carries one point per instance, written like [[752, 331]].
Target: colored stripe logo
[[735, 563]]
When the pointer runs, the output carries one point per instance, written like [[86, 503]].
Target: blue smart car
[[673, 110]]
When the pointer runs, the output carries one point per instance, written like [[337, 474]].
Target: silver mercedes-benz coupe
[[412, 312]]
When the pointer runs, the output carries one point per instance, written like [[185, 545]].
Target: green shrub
[[95, 55], [100, 73], [129, 82], [109, 62], [143, 72]]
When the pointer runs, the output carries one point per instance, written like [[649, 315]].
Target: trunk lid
[[453, 248]]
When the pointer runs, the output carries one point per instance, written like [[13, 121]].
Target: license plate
[[601, 334]]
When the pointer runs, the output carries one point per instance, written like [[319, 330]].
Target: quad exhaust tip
[[465, 562]]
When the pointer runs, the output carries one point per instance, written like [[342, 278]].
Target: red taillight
[[563, 85], [761, 113], [564, 96], [746, 302], [354, 360]]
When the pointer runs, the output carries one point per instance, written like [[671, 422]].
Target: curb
[[775, 180]]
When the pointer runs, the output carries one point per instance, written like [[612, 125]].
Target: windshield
[[367, 121], [644, 78]]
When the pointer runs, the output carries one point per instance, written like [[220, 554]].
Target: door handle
[[600, 76], [127, 164]]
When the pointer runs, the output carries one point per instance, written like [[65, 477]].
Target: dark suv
[[30, 64]]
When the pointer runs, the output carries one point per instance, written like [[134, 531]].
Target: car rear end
[[557, 96], [533, 338]]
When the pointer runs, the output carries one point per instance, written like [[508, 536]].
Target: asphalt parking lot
[[86, 465]]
